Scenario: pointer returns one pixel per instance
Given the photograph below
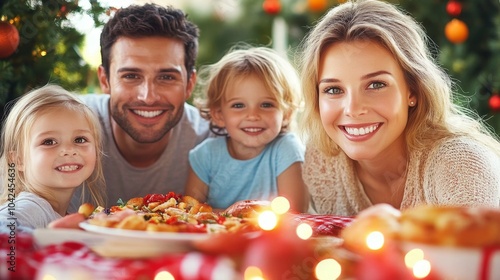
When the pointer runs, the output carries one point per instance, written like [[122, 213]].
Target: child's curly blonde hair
[[277, 73]]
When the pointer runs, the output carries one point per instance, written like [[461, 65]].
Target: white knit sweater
[[456, 171]]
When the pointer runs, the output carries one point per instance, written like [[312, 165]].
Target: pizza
[[169, 212]]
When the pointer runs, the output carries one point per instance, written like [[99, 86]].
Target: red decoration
[[280, 254], [454, 8], [63, 11], [9, 39], [494, 102], [317, 5], [388, 263], [271, 7]]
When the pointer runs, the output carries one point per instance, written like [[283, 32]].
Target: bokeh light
[[328, 269], [267, 220], [164, 275], [252, 273], [304, 231], [375, 240], [421, 269], [280, 205], [413, 256]]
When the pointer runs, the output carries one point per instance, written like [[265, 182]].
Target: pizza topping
[[168, 213]]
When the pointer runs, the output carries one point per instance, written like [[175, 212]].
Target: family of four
[[374, 110]]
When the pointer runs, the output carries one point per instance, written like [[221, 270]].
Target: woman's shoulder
[[461, 146], [460, 152]]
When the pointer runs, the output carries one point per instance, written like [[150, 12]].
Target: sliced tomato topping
[[115, 208], [174, 195], [171, 221], [157, 197], [221, 220]]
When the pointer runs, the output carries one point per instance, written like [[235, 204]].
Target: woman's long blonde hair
[[15, 139], [435, 117]]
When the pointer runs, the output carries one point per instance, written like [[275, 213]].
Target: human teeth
[[361, 130], [148, 114], [252, 129], [68, 168]]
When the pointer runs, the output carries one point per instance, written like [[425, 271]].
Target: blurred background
[[57, 41]]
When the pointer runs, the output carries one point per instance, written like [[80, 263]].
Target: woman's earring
[[412, 103]]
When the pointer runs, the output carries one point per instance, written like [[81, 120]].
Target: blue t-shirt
[[230, 180]]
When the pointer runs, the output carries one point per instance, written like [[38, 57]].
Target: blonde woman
[[380, 119], [51, 144], [250, 98]]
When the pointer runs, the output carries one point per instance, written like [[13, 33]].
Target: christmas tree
[[38, 45], [467, 37]]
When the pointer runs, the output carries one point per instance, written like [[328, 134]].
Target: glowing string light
[[304, 231], [421, 269], [48, 277], [164, 275], [413, 256], [280, 205], [252, 273], [375, 240], [328, 269], [267, 220]]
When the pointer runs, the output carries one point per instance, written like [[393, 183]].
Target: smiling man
[[147, 74]]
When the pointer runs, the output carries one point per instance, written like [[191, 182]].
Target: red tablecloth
[[324, 224], [71, 260]]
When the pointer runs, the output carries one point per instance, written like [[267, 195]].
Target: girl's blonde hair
[[435, 117], [16, 140], [278, 75]]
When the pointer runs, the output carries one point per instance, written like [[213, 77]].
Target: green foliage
[[49, 46], [473, 64]]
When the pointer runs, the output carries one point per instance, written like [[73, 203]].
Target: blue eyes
[[376, 85], [241, 105], [48, 142], [332, 90], [81, 140], [337, 90], [51, 142]]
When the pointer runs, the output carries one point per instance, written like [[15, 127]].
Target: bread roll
[[451, 226], [86, 209], [247, 208]]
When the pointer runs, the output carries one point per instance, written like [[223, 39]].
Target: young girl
[[251, 96], [51, 144], [381, 122]]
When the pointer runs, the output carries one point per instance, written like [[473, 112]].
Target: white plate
[[110, 242], [165, 236], [460, 263]]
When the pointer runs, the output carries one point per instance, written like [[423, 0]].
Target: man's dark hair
[[139, 21]]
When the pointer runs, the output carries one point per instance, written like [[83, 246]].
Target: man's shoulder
[[192, 120], [97, 101]]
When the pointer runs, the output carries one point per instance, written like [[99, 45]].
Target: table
[[73, 260]]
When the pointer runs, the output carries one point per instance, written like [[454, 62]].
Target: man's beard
[[146, 135]]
